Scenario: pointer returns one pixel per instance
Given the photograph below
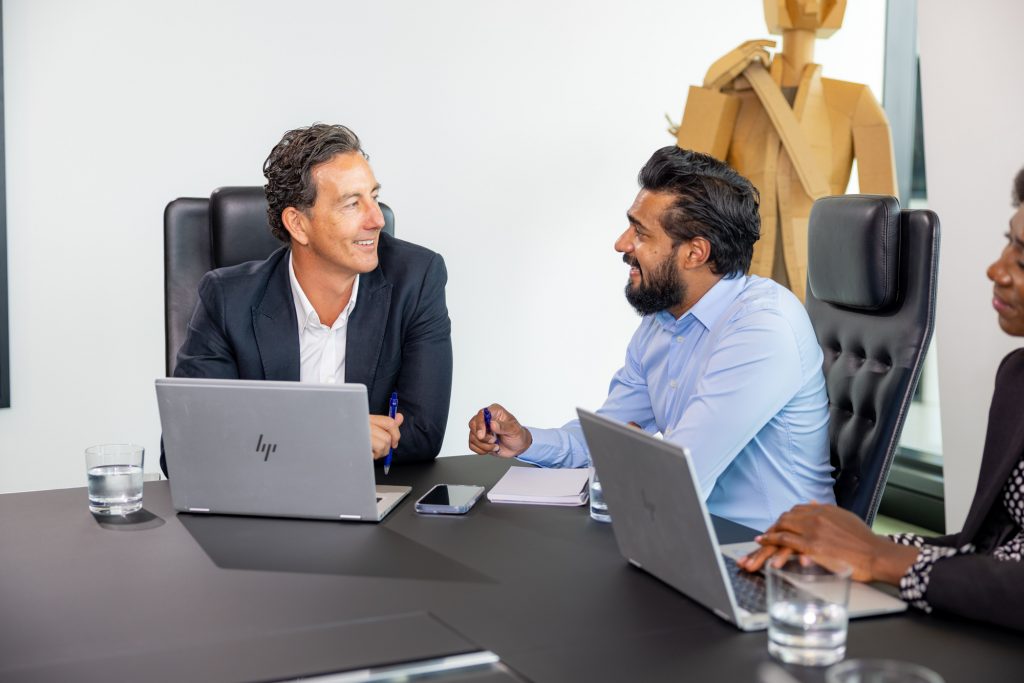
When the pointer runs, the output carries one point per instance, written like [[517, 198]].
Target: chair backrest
[[872, 276], [229, 228]]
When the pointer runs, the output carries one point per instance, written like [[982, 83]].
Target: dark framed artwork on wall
[[5, 349]]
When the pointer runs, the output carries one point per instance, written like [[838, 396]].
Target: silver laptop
[[663, 527], [278, 449]]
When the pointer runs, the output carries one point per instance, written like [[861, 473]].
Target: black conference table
[[170, 596]]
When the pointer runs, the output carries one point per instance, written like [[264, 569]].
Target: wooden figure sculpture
[[793, 133]]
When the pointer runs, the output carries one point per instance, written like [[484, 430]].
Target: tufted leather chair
[[871, 276], [229, 228]]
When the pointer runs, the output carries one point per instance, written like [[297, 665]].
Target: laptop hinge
[[199, 509], [350, 516]]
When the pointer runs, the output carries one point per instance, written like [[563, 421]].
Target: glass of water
[[598, 508], [880, 671], [807, 612], [115, 478]]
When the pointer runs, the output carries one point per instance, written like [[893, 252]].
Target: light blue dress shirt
[[737, 380]]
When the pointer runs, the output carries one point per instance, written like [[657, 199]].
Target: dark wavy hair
[[289, 167], [1018, 188], [713, 201]]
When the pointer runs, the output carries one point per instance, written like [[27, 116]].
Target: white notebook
[[541, 486]]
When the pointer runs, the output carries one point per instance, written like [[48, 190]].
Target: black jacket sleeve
[[206, 351], [424, 383], [979, 587]]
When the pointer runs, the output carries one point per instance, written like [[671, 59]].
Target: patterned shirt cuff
[[907, 539], [914, 584]]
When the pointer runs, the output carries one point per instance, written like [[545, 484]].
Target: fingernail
[[758, 538]]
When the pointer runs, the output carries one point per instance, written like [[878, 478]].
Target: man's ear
[[297, 225], [695, 253]]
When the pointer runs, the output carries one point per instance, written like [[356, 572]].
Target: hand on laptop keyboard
[[749, 587]]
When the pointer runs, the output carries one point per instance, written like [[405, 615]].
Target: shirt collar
[[710, 307], [304, 310]]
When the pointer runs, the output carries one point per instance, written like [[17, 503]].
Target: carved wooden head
[[824, 17]]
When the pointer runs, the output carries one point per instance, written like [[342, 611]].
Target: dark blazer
[[977, 585], [398, 337]]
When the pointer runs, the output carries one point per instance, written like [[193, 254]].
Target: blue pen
[[392, 410], [487, 422]]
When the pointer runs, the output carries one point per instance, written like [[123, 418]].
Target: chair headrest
[[239, 230], [853, 246]]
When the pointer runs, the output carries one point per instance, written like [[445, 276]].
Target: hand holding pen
[[384, 432], [495, 431]]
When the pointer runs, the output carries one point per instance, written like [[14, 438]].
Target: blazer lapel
[[276, 328], [1007, 443], [365, 335]]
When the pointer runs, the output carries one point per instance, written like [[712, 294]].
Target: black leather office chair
[[871, 276], [229, 228]]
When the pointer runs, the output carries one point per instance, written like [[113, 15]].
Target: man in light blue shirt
[[724, 364]]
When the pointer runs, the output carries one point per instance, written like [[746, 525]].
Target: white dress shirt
[[321, 348]]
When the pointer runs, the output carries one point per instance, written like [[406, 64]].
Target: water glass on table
[[115, 478], [880, 671], [807, 612], [598, 508]]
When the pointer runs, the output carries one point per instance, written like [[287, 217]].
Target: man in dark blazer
[[340, 302]]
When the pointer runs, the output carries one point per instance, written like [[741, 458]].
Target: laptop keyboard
[[749, 588]]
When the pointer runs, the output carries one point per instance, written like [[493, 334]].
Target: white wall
[[974, 145], [507, 135]]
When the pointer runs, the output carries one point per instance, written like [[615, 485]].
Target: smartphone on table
[[449, 499]]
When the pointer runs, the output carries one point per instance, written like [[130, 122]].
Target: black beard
[[659, 289]]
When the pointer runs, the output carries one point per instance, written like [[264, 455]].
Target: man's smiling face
[[655, 282], [343, 225]]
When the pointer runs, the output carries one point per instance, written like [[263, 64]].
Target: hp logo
[[265, 448]]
